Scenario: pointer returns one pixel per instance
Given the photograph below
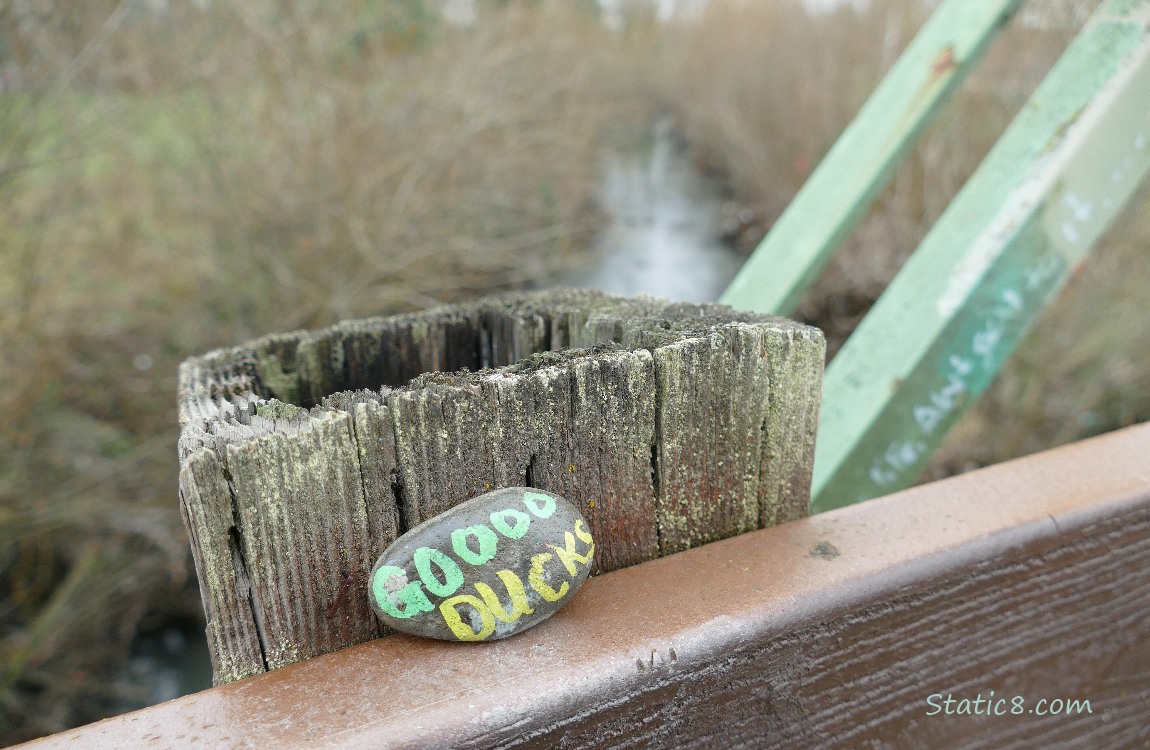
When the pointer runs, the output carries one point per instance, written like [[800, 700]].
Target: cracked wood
[[304, 454]]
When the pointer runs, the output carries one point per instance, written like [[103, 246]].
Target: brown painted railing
[[848, 629]]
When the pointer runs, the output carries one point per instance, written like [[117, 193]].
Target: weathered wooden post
[[303, 455]]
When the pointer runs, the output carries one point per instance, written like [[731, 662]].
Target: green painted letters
[[452, 575], [539, 503], [522, 523], [488, 543], [411, 596]]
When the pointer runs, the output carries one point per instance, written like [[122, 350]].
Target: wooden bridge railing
[[690, 429], [1002, 608]]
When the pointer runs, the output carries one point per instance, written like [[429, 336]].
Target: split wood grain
[[303, 455]]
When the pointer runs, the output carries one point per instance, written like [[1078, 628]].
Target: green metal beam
[[1006, 244], [863, 159]]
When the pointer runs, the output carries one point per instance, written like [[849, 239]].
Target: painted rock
[[486, 569]]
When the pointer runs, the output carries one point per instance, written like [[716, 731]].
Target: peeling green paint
[[865, 156], [1006, 244]]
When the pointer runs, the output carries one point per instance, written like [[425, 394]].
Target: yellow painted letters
[[514, 590], [583, 533], [568, 556], [461, 629], [536, 578]]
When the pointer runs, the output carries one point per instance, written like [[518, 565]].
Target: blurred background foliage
[[176, 177]]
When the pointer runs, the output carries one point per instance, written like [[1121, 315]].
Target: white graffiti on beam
[[903, 455]]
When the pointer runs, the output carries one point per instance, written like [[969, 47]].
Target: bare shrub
[[176, 176], [181, 176], [764, 88]]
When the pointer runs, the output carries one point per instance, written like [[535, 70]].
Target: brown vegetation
[[177, 178], [764, 89]]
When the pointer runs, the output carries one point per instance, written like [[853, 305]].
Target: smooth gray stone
[[485, 569]]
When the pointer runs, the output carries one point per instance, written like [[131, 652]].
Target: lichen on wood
[[304, 454]]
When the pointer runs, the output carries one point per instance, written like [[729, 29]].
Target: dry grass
[[176, 181], [763, 89]]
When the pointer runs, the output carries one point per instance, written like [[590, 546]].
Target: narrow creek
[[664, 235], [662, 238]]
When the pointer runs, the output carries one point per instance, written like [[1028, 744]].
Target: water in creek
[[662, 239], [165, 664], [664, 236]]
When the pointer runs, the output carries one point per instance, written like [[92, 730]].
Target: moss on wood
[[305, 454]]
